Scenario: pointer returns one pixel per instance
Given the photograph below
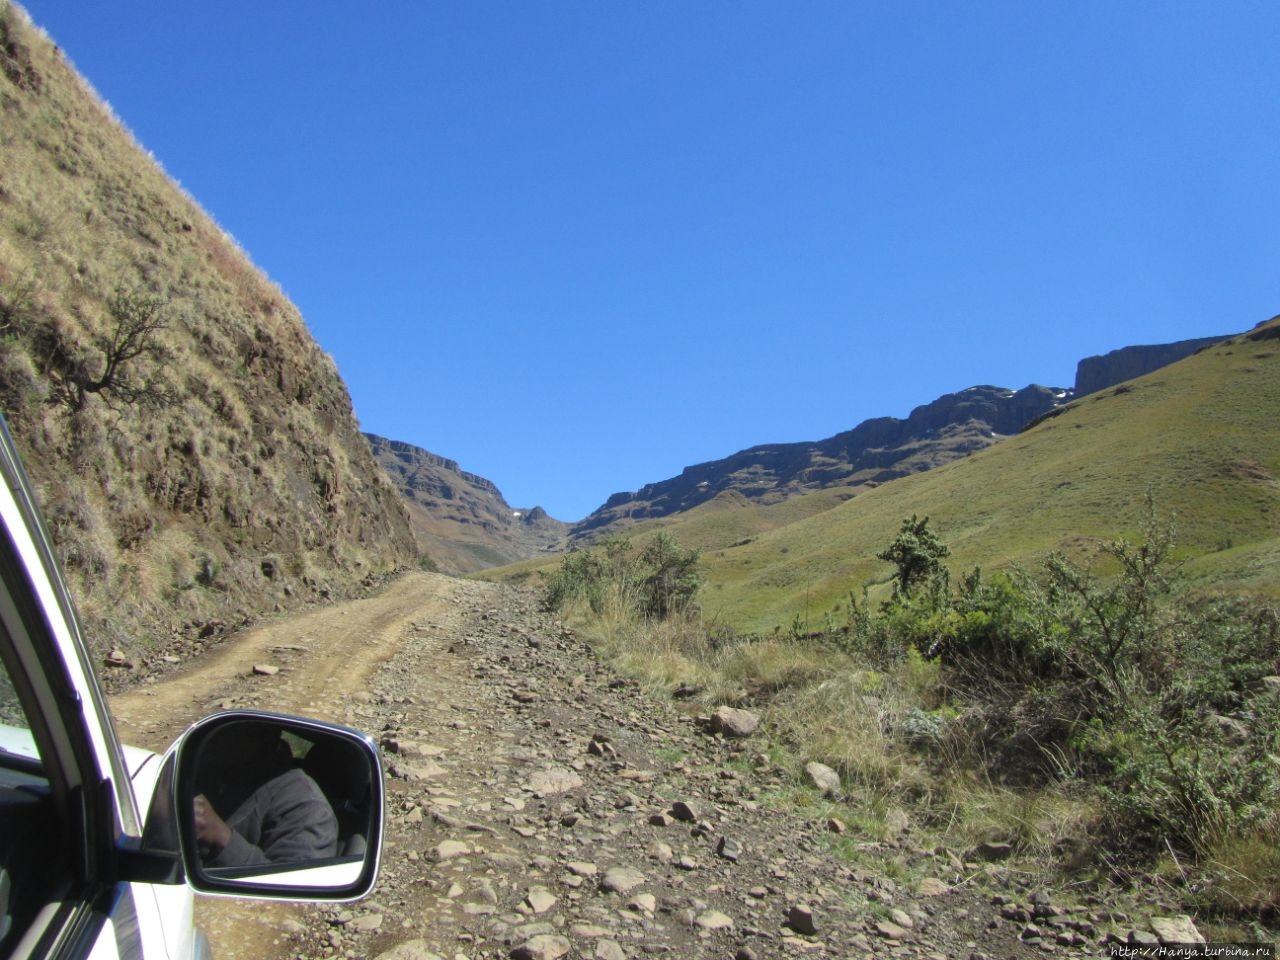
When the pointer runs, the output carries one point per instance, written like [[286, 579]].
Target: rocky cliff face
[[1098, 373], [218, 474], [461, 521], [873, 452]]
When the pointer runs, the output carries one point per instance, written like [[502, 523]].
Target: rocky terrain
[[540, 806], [461, 521], [874, 452]]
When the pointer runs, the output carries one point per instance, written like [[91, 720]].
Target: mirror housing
[[274, 806]]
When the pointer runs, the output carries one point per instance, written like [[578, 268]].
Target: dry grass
[[260, 458], [822, 704]]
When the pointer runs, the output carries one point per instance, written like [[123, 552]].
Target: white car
[[101, 845]]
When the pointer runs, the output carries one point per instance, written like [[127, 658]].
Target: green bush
[[1153, 695], [659, 582]]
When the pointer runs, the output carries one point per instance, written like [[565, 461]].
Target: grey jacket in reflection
[[286, 819]]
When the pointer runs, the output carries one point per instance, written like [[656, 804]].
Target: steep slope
[[461, 521], [1200, 437], [875, 451], [195, 451]]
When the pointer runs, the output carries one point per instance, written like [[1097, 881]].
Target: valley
[[233, 538]]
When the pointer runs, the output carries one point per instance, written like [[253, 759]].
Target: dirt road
[[539, 806], [325, 662]]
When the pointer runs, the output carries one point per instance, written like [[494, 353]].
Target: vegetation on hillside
[[194, 450], [1096, 713], [1201, 436]]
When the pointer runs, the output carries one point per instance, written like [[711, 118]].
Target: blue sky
[[579, 246]]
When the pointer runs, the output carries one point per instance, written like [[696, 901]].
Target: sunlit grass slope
[[1201, 437]]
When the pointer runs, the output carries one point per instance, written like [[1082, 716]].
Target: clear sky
[[577, 246]]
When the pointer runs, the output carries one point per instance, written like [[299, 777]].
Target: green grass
[[1201, 438]]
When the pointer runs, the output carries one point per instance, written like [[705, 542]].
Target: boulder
[[823, 778], [732, 722]]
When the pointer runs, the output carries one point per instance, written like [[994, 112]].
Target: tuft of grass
[[1242, 874]]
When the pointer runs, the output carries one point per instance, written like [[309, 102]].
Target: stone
[[544, 946], [1179, 929], [890, 930], [836, 825], [645, 903], [714, 920], [932, 887], [609, 950], [901, 918], [800, 918], [415, 770], [731, 722], [823, 778], [601, 748], [662, 852], [410, 749], [540, 899], [621, 879], [552, 781], [450, 850], [409, 950], [684, 811], [729, 848], [265, 670]]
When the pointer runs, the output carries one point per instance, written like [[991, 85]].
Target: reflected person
[[278, 813]]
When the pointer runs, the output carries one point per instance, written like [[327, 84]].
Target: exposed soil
[[541, 806]]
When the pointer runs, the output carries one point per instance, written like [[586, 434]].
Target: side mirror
[[278, 806]]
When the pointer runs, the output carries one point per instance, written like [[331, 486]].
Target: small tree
[[672, 578], [917, 553], [114, 374]]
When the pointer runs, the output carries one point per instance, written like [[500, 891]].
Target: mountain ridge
[[879, 449], [460, 520], [873, 452]]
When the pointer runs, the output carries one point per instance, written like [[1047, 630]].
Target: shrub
[[660, 582]]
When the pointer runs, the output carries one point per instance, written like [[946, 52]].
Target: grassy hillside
[[1202, 437], [215, 472]]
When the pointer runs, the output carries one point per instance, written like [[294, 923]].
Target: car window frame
[[43, 651]]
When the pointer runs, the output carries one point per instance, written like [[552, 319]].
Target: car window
[[17, 746], [29, 848]]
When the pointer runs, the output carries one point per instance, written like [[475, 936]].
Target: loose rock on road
[[539, 806]]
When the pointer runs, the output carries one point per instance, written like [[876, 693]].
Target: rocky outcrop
[[461, 521], [1098, 373], [873, 452]]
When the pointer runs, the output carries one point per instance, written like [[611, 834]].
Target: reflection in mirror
[[266, 798]]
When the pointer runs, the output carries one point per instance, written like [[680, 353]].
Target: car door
[[65, 799]]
